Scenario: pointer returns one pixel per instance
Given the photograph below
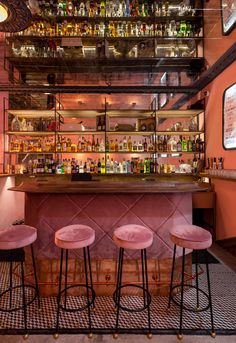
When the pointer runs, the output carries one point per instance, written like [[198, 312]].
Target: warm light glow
[[3, 13]]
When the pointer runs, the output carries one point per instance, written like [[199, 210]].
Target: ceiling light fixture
[[3, 13], [15, 16]]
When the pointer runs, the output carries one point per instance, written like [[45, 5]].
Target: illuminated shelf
[[31, 133], [131, 133], [179, 133]]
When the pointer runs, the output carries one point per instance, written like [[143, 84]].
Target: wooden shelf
[[32, 113], [179, 133], [31, 133], [131, 133]]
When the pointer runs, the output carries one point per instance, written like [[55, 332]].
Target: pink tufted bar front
[[104, 212]]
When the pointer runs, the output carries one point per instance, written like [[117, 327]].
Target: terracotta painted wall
[[215, 44], [225, 190]]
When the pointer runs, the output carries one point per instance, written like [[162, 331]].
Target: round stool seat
[[17, 236], [191, 237], [74, 237], [133, 236]]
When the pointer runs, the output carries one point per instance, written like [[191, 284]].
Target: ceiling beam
[[24, 88]]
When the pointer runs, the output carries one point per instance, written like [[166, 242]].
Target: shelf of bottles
[[151, 142], [88, 29]]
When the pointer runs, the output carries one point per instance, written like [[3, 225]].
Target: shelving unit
[[163, 122], [166, 32]]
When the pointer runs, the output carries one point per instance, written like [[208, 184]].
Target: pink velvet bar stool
[[134, 237], [13, 240], [69, 238], [194, 238]]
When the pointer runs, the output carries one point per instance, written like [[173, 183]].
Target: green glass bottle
[[183, 28]]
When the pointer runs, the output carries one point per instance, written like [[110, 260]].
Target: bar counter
[[105, 204], [97, 186]]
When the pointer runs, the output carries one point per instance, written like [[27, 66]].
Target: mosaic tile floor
[[223, 283]]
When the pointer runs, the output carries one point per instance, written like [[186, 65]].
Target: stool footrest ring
[[20, 307], [148, 297], [91, 302], [187, 308]]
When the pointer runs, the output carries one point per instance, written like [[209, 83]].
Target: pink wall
[[215, 44], [225, 190], [11, 203]]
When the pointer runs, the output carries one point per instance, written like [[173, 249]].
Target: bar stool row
[[135, 237]]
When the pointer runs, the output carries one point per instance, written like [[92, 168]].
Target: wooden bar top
[[108, 187], [6, 175]]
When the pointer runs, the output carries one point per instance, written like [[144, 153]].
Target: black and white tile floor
[[223, 284]]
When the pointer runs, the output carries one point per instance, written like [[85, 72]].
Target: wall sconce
[[14, 16], [133, 104], [3, 13], [80, 102]]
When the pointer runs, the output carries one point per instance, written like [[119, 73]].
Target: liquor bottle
[[195, 164], [93, 144], [197, 146], [179, 145], [152, 166], [129, 167], [120, 146], [99, 166], [125, 144], [166, 8], [184, 144], [82, 145], [135, 147], [150, 146], [145, 145], [147, 166], [140, 146], [127, 8], [124, 166], [102, 8], [190, 144], [70, 8], [108, 164], [97, 147], [61, 8], [103, 166], [164, 144], [173, 145], [15, 124], [183, 28], [129, 144], [111, 166], [91, 165]]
